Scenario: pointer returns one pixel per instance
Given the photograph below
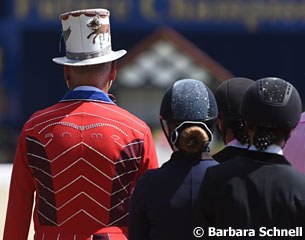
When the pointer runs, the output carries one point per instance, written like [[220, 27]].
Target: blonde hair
[[193, 139]]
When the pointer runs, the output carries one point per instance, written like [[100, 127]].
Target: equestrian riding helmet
[[229, 95], [189, 100], [272, 102]]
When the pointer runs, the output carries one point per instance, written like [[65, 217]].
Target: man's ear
[[113, 71], [67, 74]]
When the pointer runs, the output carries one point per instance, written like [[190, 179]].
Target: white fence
[[5, 176]]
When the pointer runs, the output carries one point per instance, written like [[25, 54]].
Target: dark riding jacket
[[163, 201]]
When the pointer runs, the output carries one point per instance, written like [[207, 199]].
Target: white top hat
[[87, 37]]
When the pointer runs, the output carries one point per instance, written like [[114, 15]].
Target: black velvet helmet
[[272, 102], [229, 95], [189, 100]]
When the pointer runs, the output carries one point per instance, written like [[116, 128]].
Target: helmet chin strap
[[167, 135]]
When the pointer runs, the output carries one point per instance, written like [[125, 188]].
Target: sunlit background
[[166, 40]]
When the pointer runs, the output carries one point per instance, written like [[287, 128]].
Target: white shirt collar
[[87, 88], [236, 143], [270, 149]]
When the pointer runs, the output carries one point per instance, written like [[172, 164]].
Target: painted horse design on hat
[[98, 28], [87, 38]]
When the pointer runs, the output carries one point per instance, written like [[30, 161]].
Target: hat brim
[[113, 55]]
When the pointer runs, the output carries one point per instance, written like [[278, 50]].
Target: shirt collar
[[87, 93], [270, 149], [87, 88], [236, 143]]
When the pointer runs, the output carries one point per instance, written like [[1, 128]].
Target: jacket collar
[[87, 95], [265, 157], [178, 155]]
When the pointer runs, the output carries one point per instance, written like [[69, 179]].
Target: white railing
[[5, 174]]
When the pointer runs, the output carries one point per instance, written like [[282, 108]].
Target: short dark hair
[[96, 68]]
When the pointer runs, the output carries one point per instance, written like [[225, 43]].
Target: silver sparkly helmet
[[189, 101]]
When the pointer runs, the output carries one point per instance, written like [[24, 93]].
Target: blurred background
[[211, 40]]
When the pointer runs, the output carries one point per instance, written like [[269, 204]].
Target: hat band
[[88, 55]]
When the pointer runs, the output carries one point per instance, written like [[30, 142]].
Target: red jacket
[[81, 157]]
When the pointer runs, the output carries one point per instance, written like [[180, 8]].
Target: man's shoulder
[[41, 113], [130, 116], [90, 109]]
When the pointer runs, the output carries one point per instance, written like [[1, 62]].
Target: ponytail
[[193, 139]]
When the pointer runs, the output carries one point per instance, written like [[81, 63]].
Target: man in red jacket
[[79, 158]]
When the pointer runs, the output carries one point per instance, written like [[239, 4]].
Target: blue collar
[[84, 95]]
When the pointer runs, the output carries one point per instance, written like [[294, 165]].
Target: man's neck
[[87, 88]]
